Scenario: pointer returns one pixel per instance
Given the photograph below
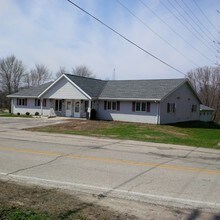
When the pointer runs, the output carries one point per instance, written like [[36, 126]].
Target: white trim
[[84, 93]]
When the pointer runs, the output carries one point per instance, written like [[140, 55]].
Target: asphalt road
[[171, 175]]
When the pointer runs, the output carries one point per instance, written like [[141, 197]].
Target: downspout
[[158, 111]]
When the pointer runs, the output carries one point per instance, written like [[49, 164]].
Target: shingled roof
[[140, 89], [92, 87], [117, 89], [32, 92]]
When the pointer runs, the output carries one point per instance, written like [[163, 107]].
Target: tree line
[[14, 76]]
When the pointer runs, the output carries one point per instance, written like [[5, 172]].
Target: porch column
[[12, 106], [41, 107], [89, 108]]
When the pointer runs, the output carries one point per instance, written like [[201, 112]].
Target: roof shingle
[[140, 89]]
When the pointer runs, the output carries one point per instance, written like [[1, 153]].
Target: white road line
[[120, 193]]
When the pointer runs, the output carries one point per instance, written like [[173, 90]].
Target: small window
[[37, 102], [171, 107], [143, 106], [22, 102], [109, 105], [112, 105], [58, 105], [194, 108], [138, 106]]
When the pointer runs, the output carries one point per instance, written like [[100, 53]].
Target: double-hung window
[[141, 106], [194, 108], [38, 102], [171, 107], [112, 105], [22, 102]]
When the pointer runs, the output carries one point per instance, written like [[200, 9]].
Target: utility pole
[[114, 74]]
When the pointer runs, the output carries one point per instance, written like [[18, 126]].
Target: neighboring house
[[206, 113], [160, 101]]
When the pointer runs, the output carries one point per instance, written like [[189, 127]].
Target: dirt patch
[[54, 203]]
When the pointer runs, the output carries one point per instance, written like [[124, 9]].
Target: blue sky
[[55, 33]]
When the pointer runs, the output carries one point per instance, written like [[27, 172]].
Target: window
[[58, 105], [194, 108], [22, 102], [138, 106], [141, 106], [112, 105], [171, 107], [77, 107], [37, 102]]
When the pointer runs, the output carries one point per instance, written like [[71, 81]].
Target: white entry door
[[68, 108], [77, 107]]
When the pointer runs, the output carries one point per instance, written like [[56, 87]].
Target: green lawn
[[13, 213], [4, 114], [193, 133]]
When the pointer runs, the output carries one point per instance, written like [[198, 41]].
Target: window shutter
[[17, 101], [118, 106], [148, 106], [105, 105], [133, 106]]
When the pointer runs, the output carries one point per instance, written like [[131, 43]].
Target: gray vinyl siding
[[63, 89], [31, 108], [126, 113], [183, 98]]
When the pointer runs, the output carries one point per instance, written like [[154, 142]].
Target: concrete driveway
[[171, 175], [15, 123]]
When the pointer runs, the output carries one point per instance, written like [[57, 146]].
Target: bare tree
[[83, 70], [61, 71], [206, 81], [37, 76], [11, 72]]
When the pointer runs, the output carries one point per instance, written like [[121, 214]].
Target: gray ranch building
[[161, 101]]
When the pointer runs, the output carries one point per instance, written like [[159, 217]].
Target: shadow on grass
[[197, 124]]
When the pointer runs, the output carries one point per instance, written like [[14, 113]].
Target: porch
[[69, 107]]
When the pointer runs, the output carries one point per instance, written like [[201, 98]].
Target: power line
[[125, 38], [163, 39], [206, 16], [190, 17], [184, 24], [208, 31], [200, 38], [172, 29]]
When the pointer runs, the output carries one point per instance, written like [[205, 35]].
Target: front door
[[68, 108], [77, 109]]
